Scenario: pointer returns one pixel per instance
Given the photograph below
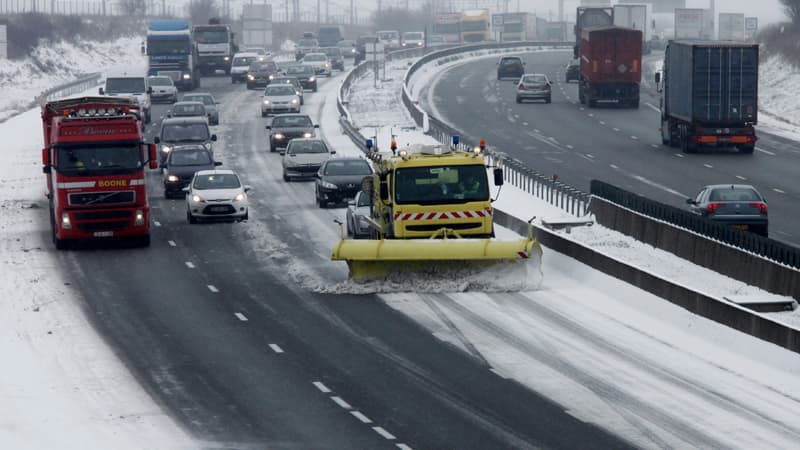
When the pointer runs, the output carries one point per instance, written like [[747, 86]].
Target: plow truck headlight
[[172, 178], [328, 185], [139, 217], [65, 222]]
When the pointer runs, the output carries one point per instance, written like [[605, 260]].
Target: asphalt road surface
[[619, 146]]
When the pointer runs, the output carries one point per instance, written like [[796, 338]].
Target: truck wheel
[[60, 244], [746, 149], [142, 241], [685, 140]]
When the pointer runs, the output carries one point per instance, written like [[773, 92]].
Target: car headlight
[[353, 51], [327, 65], [250, 77], [278, 136], [308, 135], [172, 178], [240, 197], [419, 44], [266, 102], [311, 79], [197, 199], [294, 101], [328, 185], [272, 77], [187, 76], [166, 148], [227, 58]]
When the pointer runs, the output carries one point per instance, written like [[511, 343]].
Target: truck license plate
[[103, 233]]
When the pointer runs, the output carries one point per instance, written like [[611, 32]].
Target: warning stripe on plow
[[411, 217]]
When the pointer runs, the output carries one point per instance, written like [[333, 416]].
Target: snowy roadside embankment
[[54, 64]]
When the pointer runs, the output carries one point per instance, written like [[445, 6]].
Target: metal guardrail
[[549, 189], [759, 245], [81, 84]]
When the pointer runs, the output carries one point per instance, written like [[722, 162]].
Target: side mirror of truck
[[149, 90], [45, 160], [384, 190], [268, 127], [101, 91], [498, 176], [658, 82], [217, 163], [156, 140], [214, 137], [152, 155]]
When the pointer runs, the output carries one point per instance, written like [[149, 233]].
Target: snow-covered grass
[[51, 65]]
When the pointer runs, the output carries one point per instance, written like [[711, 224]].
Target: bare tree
[[792, 8], [133, 7], [201, 11]]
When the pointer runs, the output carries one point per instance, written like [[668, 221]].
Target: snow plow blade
[[376, 259]]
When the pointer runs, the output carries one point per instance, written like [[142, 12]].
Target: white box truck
[[256, 26], [694, 23], [638, 18], [731, 27]]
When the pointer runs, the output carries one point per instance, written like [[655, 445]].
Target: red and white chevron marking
[[411, 217]]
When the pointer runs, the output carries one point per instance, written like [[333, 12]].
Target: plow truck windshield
[[442, 185]]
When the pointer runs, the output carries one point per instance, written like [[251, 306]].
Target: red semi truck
[[611, 66], [94, 159]]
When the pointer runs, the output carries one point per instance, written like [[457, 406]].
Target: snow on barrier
[[73, 87]]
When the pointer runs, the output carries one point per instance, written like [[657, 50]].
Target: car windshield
[[125, 86], [734, 195], [307, 43], [292, 122], [289, 81], [204, 99], [386, 35], [257, 51], [443, 184], [169, 45], [510, 62], [283, 89], [264, 66], [216, 181], [189, 157], [188, 109], [160, 81], [314, 58], [98, 159], [297, 147], [174, 132], [534, 79], [414, 36], [299, 70], [347, 167], [243, 61], [345, 44], [332, 51], [211, 36]]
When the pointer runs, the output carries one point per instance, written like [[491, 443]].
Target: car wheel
[[747, 149], [314, 90], [548, 100], [349, 231], [519, 100], [246, 216], [190, 218], [233, 80], [286, 177], [263, 114], [166, 194]]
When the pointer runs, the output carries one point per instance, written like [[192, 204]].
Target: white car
[[133, 87], [358, 210], [262, 53], [280, 99], [319, 61], [304, 157], [240, 64], [216, 194], [162, 89], [413, 39]]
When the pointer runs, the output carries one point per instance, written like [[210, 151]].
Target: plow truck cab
[[430, 210], [94, 159]]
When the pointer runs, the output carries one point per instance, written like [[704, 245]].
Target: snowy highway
[[248, 336]]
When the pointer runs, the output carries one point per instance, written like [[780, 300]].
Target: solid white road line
[[240, 316], [358, 415], [765, 151], [275, 348], [339, 401], [384, 433], [319, 385], [212, 288], [172, 243], [189, 264]]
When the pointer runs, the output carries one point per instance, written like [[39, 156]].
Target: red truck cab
[[94, 159]]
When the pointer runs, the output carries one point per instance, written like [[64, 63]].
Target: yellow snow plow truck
[[431, 212]]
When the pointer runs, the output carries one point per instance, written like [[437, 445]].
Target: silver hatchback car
[[303, 157]]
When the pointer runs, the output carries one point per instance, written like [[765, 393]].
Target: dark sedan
[[261, 73], [573, 72], [738, 205], [181, 164], [510, 67], [339, 179], [305, 74], [285, 127], [335, 56]]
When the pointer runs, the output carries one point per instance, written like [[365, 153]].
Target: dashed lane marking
[[172, 243], [240, 316], [602, 123], [652, 106], [384, 433], [679, 155], [708, 166], [569, 147], [615, 129], [403, 447], [322, 388], [525, 123], [590, 155], [340, 401], [156, 223], [654, 145], [765, 151], [275, 348], [212, 288], [778, 191], [360, 416], [635, 138], [190, 264], [613, 166], [741, 177], [659, 186]]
